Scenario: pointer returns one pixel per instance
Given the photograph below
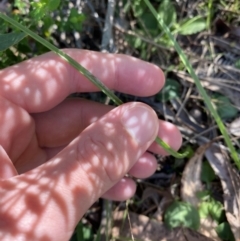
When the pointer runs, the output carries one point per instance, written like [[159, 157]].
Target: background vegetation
[[197, 196]]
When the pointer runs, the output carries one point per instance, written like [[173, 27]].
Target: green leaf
[[237, 64], [224, 231], [53, 4], [181, 214], [150, 22], [42, 7], [199, 86], [22, 6], [204, 210], [76, 19], [9, 39], [170, 91], [224, 107], [167, 12], [207, 174], [192, 26], [216, 210], [39, 10], [204, 195], [83, 232], [138, 7], [137, 43]]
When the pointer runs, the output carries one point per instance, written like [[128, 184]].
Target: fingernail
[[141, 123]]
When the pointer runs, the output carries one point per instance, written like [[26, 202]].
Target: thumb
[[66, 186]]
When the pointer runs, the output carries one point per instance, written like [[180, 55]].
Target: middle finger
[[57, 127]]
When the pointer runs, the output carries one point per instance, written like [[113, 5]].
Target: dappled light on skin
[[145, 166], [142, 74], [88, 157], [123, 190], [48, 74], [30, 93], [7, 169], [39, 200], [14, 120], [167, 133]]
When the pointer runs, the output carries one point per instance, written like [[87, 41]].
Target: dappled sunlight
[[40, 83], [41, 195], [94, 155], [170, 134], [35, 81], [12, 121]]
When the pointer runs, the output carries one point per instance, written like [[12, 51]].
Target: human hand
[[58, 155]]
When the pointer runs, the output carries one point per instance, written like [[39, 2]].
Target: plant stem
[[202, 91]]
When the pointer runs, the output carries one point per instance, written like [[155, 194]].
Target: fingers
[[59, 126], [7, 169], [66, 186], [67, 120], [123, 190], [170, 134], [41, 83], [144, 167]]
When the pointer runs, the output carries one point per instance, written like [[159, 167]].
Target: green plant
[[199, 86], [44, 17], [147, 25], [182, 214]]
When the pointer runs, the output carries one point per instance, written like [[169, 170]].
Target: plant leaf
[[191, 186], [53, 4], [224, 231], [9, 39], [224, 107], [181, 214], [200, 88], [192, 26], [144, 228], [167, 12], [207, 174], [170, 91], [230, 181]]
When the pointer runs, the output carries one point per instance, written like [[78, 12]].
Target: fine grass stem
[[86, 73], [202, 91]]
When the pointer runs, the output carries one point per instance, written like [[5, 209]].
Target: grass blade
[[85, 72], [70, 60], [202, 91]]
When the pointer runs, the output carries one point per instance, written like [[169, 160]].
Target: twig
[[107, 44]]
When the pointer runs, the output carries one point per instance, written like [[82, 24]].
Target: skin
[[59, 155]]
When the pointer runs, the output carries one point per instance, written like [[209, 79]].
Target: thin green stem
[[202, 91], [66, 57], [86, 73], [209, 16], [167, 148]]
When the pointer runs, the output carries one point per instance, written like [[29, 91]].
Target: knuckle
[[98, 156]]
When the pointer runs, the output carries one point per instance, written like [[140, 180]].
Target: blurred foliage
[[207, 174], [225, 108], [224, 232], [147, 25], [171, 90], [47, 18], [182, 214]]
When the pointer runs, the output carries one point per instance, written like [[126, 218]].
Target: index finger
[[43, 82]]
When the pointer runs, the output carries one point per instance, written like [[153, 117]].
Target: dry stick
[[86, 73]]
